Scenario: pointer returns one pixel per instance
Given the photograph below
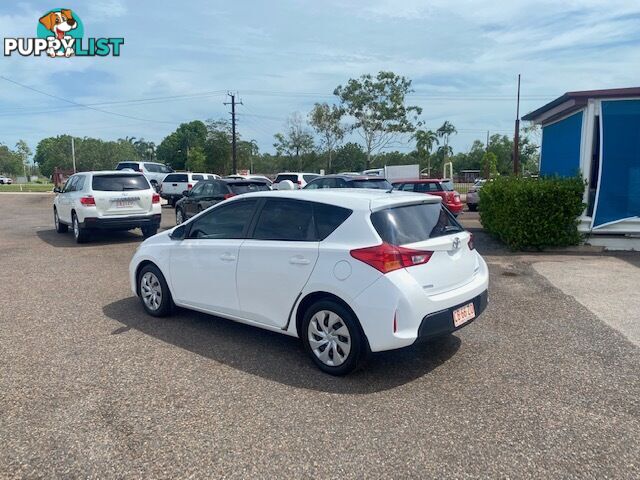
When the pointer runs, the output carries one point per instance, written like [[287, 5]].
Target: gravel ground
[[91, 387]]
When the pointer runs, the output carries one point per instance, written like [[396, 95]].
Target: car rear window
[[176, 178], [240, 188], [119, 183], [282, 178], [123, 165], [381, 184], [447, 185], [414, 223]]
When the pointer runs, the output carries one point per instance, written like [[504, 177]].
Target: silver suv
[[155, 172]]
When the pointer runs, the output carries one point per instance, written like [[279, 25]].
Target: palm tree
[[445, 131], [425, 140]]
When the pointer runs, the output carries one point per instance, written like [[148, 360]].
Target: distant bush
[[533, 213]]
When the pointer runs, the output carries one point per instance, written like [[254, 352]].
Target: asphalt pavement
[[91, 387]]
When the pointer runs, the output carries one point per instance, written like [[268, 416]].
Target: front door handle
[[298, 260], [227, 257]]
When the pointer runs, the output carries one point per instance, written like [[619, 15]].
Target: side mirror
[[186, 193], [57, 190], [178, 233]]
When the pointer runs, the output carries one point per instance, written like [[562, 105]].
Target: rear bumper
[[121, 223], [455, 208], [169, 196], [441, 323]]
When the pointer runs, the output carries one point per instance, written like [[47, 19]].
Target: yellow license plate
[[463, 314]]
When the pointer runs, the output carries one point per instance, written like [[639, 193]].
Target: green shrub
[[533, 213]]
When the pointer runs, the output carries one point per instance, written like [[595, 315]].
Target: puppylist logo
[[60, 33]]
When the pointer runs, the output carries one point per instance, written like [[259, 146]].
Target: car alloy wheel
[[329, 338], [151, 291], [76, 227], [56, 220]]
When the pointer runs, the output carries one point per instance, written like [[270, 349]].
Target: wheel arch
[[314, 297], [143, 264]]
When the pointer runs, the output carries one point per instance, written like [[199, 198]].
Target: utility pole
[[516, 137], [487, 145], [234, 149], [73, 153]]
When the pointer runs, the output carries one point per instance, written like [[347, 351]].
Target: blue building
[[597, 134]]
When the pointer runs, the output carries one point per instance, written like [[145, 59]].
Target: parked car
[[210, 192], [250, 177], [175, 183], [5, 180], [109, 200], [299, 179], [473, 196], [349, 181], [441, 188], [155, 172], [349, 272]]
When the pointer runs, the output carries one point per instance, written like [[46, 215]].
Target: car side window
[[68, 184], [408, 187], [314, 185], [286, 220], [197, 189], [150, 167], [224, 222], [340, 183], [71, 185], [198, 177], [79, 185]]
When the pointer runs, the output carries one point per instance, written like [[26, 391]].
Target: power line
[[80, 104]]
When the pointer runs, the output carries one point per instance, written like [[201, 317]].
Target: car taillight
[[88, 201], [155, 198], [189, 186], [387, 258], [229, 195], [472, 245]]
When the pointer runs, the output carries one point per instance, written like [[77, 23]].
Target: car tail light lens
[[387, 258], [189, 186], [472, 244], [229, 195], [88, 201], [155, 198]]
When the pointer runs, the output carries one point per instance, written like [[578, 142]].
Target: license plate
[[123, 203], [463, 314]]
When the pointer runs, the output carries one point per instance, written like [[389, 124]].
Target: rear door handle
[[298, 260], [227, 257]]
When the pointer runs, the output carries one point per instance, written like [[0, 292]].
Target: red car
[[433, 186]]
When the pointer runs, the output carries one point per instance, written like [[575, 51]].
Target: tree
[[197, 161], [489, 165], [350, 158], [325, 120], [425, 141], [174, 149], [10, 161], [378, 106], [297, 142], [24, 152]]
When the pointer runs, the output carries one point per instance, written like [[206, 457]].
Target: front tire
[[332, 337], [60, 227], [154, 292], [179, 216], [79, 234]]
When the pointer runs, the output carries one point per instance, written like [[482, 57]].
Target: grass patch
[[29, 187]]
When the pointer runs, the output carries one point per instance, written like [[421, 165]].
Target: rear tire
[[60, 227], [154, 292], [332, 337], [149, 231], [81, 235]]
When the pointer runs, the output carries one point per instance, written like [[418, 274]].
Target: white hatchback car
[[347, 271], [109, 200]]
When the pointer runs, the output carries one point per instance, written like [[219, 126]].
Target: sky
[[180, 58]]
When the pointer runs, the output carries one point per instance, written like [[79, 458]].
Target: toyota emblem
[[456, 243]]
